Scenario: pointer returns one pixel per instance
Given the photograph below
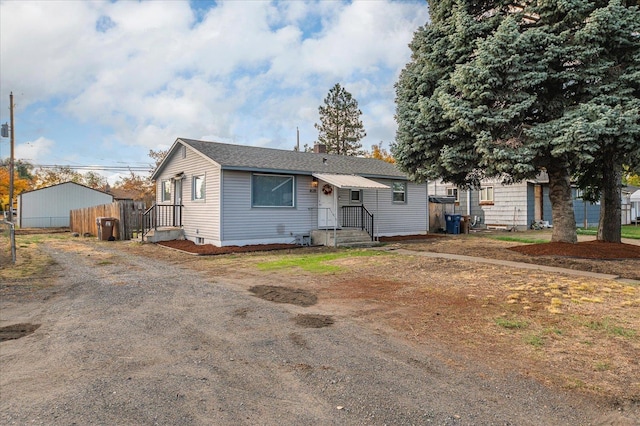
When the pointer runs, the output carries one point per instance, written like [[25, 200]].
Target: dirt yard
[[569, 332], [142, 334]]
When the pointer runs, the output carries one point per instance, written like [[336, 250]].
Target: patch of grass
[[602, 366], [105, 262], [524, 240], [628, 231], [607, 325], [511, 323], [534, 340], [316, 262], [553, 330]]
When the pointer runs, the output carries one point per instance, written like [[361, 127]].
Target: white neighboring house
[[635, 209], [49, 207], [224, 194]]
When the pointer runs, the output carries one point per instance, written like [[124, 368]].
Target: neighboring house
[[225, 194], [631, 205], [49, 207], [495, 205]]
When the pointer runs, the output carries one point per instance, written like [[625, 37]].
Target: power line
[[103, 168]]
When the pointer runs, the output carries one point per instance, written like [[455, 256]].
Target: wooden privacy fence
[[127, 212]]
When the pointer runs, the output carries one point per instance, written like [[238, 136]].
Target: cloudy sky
[[102, 82]]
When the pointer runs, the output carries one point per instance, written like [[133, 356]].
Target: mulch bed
[[410, 237], [209, 249], [584, 250]]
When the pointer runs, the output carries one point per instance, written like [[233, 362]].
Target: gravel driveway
[[125, 340]]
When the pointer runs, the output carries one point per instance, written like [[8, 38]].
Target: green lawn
[[316, 262], [628, 231]]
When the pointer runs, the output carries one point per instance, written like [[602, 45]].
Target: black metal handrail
[[358, 217], [161, 215]]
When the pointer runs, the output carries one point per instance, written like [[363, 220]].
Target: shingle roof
[[251, 158]]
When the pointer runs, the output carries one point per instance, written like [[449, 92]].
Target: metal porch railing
[[161, 215], [358, 217]]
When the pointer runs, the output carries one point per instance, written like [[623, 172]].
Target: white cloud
[[35, 152], [246, 72]]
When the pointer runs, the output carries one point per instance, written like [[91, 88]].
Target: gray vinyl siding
[[546, 205], [509, 206], [200, 218], [51, 206], [531, 204], [244, 224], [397, 218], [580, 208]]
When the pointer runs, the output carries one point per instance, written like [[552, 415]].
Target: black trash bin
[[105, 228], [453, 223]]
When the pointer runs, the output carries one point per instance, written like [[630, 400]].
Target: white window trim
[[164, 182], [359, 200], [484, 195], [404, 192], [293, 191], [457, 191], [193, 188]]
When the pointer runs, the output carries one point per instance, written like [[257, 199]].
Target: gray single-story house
[[225, 194], [50, 207]]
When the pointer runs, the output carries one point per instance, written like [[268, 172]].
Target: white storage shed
[[49, 207]]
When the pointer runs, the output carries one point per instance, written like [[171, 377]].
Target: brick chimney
[[320, 148]]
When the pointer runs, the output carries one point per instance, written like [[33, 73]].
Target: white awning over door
[[349, 181]]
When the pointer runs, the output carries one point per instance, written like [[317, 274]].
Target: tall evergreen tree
[[340, 128], [496, 90], [608, 114]]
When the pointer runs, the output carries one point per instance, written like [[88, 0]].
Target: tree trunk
[[610, 226], [564, 221]]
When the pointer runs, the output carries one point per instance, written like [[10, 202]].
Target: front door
[[177, 213], [537, 203], [327, 203]]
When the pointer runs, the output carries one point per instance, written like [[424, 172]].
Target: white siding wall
[[50, 207], [201, 218], [244, 224], [509, 206]]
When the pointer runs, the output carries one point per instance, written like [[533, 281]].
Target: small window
[[453, 192], [198, 188], [166, 190], [199, 241], [183, 152], [272, 190], [486, 195], [356, 196], [399, 192]]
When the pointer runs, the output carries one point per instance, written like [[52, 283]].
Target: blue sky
[[103, 82]]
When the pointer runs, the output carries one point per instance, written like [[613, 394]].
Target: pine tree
[[340, 128], [502, 92], [609, 110]]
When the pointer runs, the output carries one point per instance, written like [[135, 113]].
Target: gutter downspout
[[426, 186], [377, 220], [335, 216]]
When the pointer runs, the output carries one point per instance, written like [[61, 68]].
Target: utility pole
[[13, 140]]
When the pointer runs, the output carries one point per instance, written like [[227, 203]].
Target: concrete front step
[[343, 238], [164, 234]]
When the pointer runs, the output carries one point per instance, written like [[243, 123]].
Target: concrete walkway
[[511, 264]]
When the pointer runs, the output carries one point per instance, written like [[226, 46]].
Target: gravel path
[[128, 341]]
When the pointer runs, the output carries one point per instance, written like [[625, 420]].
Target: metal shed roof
[[349, 181]]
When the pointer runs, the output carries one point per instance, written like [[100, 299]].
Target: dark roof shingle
[[241, 157]]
